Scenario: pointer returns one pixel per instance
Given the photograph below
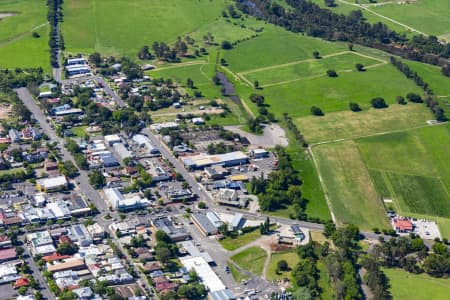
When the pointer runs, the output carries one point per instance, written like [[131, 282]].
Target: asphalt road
[[45, 291], [83, 179]]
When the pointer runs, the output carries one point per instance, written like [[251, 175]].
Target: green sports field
[[349, 125], [410, 168], [348, 185], [404, 285], [17, 46], [122, 27]]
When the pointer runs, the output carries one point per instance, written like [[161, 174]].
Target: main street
[[83, 181]]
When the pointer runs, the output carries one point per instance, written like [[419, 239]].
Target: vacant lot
[[405, 285], [122, 27], [348, 185], [290, 257], [348, 124], [251, 259], [304, 69]]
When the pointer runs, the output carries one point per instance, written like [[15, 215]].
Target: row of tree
[[430, 102], [56, 41], [295, 131]]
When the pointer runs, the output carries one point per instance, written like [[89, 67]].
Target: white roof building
[[112, 139], [118, 201], [52, 184], [204, 271]]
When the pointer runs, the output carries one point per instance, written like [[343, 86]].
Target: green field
[[334, 94], [251, 259], [345, 9], [428, 16], [276, 46], [349, 125], [122, 27], [410, 286], [201, 74], [411, 169], [348, 185], [17, 47], [310, 68]]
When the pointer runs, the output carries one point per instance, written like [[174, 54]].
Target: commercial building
[[259, 153], [80, 235], [50, 185], [69, 264], [7, 254], [202, 161], [14, 136], [204, 271], [122, 202], [144, 142], [237, 222], [8, 273], [189, 247], [112, 139], [109, 161], [165, 224], [402, 225], [121, 151], [222, 295], [204, 225], [180, 195], [96, 231]]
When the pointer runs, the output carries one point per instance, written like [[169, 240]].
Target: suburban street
[[119, 102]]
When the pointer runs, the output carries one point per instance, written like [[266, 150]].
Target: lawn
[[17, 46], [348, 124], [348, 184], [251, 259], [122, 27], [290, 257], [304, 69], [231, 243], [410, 286]]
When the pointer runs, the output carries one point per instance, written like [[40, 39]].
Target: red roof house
[[21, 282], [55, 256], [403, 225], [7, 254]]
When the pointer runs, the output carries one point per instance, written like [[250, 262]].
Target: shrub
[[378, 102], [332, 73], [354, 107], [316, 111]]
